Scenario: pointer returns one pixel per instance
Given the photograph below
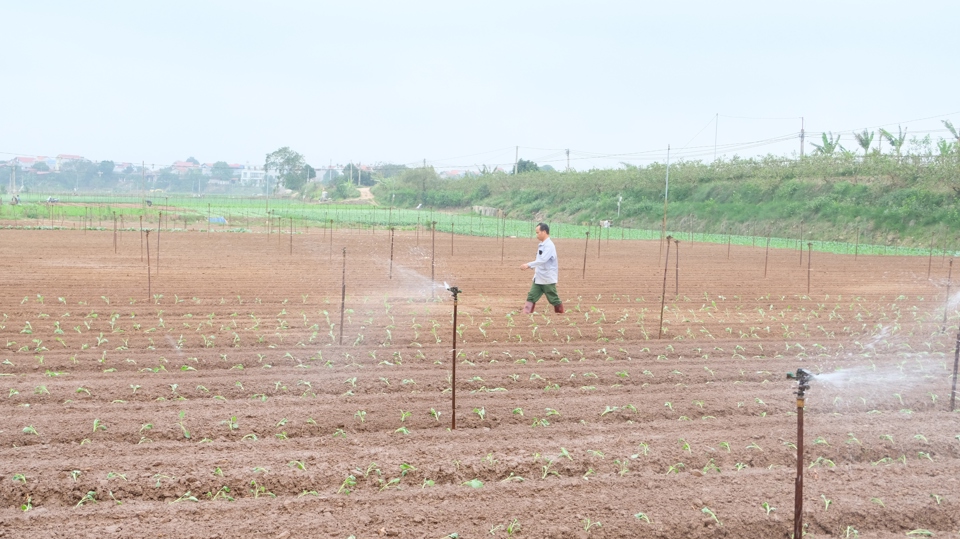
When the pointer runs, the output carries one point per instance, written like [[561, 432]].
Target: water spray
[[453, 376], [802, 377]]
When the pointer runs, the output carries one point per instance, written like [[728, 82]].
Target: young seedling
[[826, 502], [708, 511], [90, 496], [98, 425], [588, 524], [642, 516], [767, 507]]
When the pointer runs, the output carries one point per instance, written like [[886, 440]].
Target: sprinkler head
[[802, 376], [454, 290]]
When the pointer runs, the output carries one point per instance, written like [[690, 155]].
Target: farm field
[[220, 403]]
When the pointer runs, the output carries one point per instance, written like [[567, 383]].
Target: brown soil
[[219, 404]]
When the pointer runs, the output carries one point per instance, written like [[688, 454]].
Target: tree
[[864, 139], [287, 167], [389, 170], [895, 141], [193, 160], [357, 175], [40, 166], [829, 144], [526, 166], [953, 130], [221, 170], [311, 172], [105, 169]]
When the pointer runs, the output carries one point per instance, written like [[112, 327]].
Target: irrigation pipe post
[[809, 256], [766, 257], [343, 293], [956, 363], [391, 252], [141, 239], [291, 235], [930, 260], [803, 383], [159, 220], [331, 238], [856, 249], [663, 295], [453, 376], [451, 238], [149, 283], [433, 259], [585, 247]]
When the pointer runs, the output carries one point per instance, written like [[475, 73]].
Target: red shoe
[[528, 308], [558, 308]]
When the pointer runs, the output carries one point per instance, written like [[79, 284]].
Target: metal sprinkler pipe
[[391, 252], [802, 377], [343, 293], [809, 256], [585, 247], [663, 295], [453, 376]]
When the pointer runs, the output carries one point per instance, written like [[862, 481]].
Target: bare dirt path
[[221, 404]]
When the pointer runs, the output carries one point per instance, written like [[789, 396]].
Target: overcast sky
[[461, 84]]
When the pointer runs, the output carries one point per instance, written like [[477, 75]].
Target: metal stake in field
[[149, 284], [856, 249], [114, 232], [766, 257], [291, 235], [159, 220], [930, 260], [343, 292], [453, 376], [956, 363], [331, 239], [809, 256], [141, 238], [586, 246], [803, 380], [451, 238], [663, 295], [391, 252], [433, 259]]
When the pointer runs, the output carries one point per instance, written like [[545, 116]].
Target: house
[[66, 158], [251, 174]]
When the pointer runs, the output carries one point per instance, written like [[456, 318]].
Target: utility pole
[[801, 137], [568, 159], [516, 161], [143, 183]]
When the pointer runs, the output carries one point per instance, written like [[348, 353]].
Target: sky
[[460, 85]]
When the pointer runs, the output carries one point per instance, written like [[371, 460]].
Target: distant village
[[67, 172]]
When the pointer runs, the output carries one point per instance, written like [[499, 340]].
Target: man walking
[[546, 269]]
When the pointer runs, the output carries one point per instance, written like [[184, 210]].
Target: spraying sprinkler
[[453, 375], [802, 376]]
